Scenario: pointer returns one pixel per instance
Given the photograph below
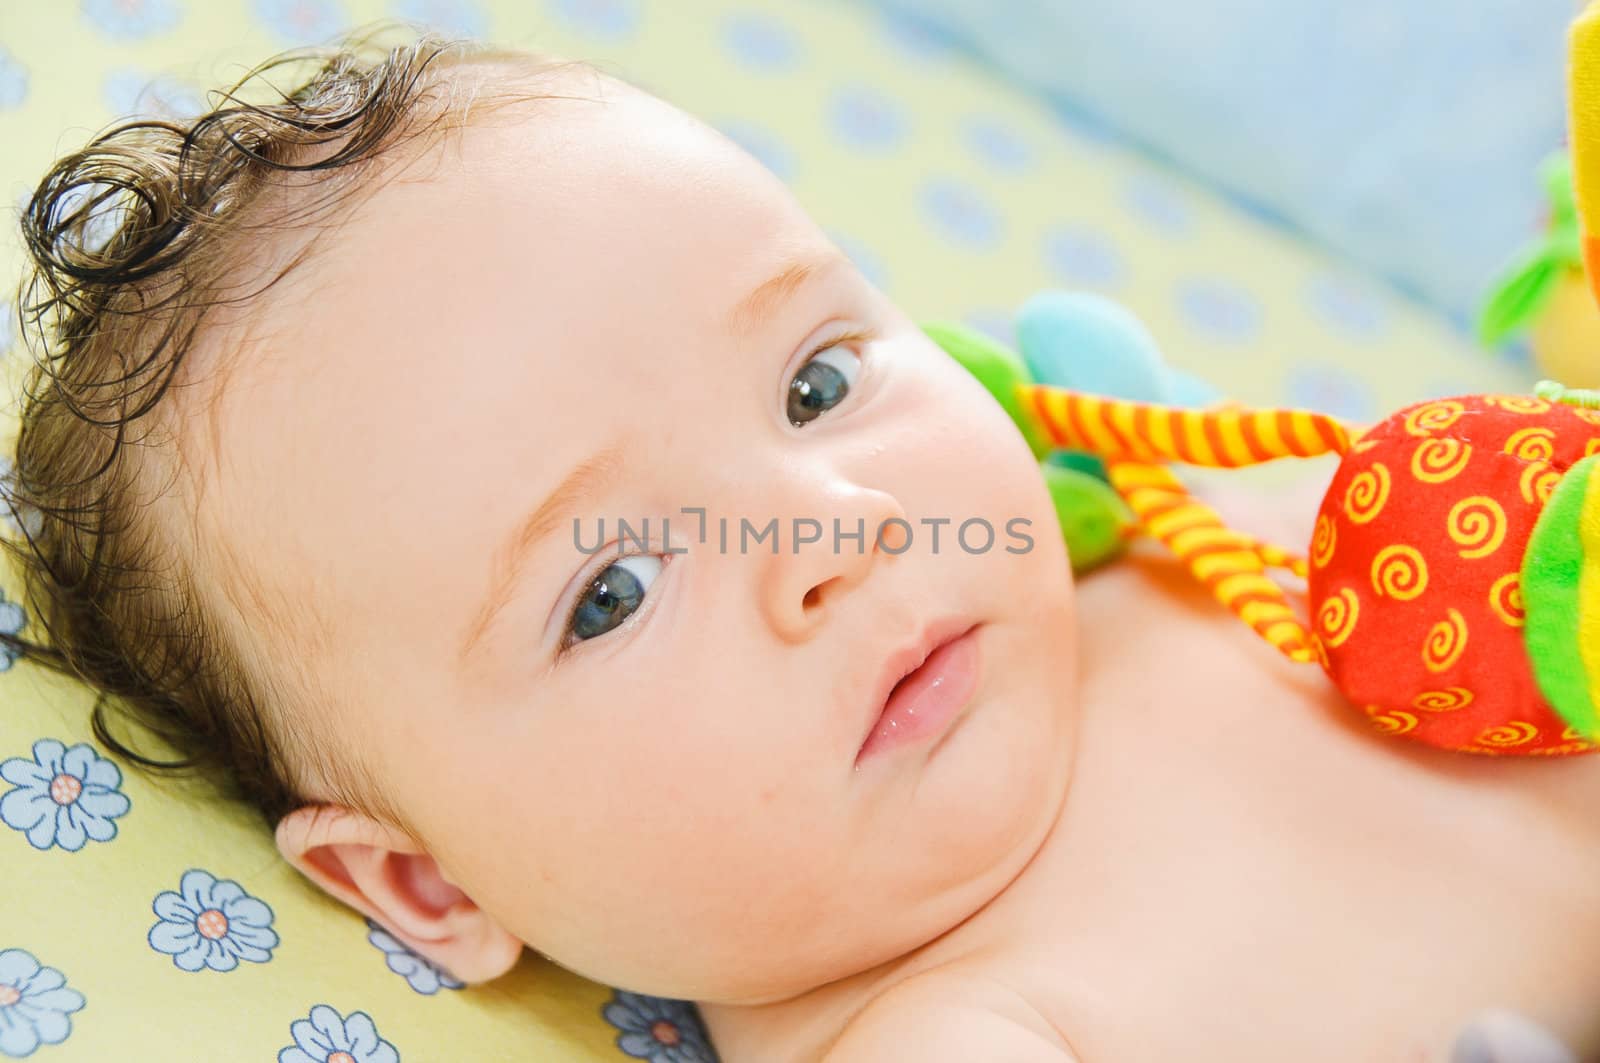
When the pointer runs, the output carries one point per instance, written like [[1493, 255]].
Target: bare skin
[[1242, 871]]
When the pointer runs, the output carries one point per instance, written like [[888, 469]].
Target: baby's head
[[336, 398]]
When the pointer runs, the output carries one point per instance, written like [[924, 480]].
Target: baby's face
[[669, 794]]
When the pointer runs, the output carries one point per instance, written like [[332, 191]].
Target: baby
[[326, 464]]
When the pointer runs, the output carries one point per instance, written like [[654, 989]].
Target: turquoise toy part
[[1190, 391], [1089, 343]]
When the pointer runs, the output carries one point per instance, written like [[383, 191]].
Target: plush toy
[[1453, 573], [1448, 576]]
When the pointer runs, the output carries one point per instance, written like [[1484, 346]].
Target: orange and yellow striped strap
[[1233, 566], [1228, 437], [1135, 439]]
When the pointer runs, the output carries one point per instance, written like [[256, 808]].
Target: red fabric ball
[[1416, 599]]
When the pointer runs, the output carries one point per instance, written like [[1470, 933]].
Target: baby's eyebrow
[[752, 311], [581, 483]]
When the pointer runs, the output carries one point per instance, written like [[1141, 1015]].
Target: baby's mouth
[[924, 686]]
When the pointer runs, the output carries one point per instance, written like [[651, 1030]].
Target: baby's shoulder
[[951, 1013]]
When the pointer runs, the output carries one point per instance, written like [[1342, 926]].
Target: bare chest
[[1244, 871]]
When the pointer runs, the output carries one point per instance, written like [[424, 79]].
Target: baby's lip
[[907, 658]]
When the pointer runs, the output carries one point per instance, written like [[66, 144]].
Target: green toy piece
[[1080, 460], [1095, 521], [1562, 561]]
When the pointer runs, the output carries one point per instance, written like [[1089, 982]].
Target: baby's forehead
[[594, 193]]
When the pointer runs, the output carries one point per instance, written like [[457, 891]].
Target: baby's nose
[[822, 553]]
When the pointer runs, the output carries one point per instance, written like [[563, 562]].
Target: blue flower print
[[12, 517], [212, 924], [1157, 202], [760, 41], [961, 213], [128, 91], [328, 1037], [465, 18], [302, 20], [1084, 257], [866, 118], [34, 1004], [62, 796], [657, 1029], [421, 974], [12, 620], [997, 144], [1346, 306], [1332, 389], [1219, 308], [611, 20], [995, 323], [130, 20], [13, 90]]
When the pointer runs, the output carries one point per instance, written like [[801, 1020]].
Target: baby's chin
[[984, 810], [992, 792]]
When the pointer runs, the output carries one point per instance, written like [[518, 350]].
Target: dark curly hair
[[136, 241]]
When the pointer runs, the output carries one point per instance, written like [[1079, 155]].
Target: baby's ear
[[381, 872]]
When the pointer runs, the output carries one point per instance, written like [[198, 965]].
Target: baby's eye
[[612, 596], [822, 383]]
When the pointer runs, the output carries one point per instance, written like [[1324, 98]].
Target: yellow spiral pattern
[[1527, 404], [1592, 447], [1532, 444], [1361, 446], [1477, 525], [1446, 700], [1536, 483], [1399, 572], [1336, 618], [1515, 733], [1323, 540], [1585, 414], [1321, 650], [1505, 598], [1433, 417], [1446, 642], [1439, 459], [1390, 721], [1368, 491]]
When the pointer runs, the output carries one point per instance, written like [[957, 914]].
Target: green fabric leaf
[[1521, 293]]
